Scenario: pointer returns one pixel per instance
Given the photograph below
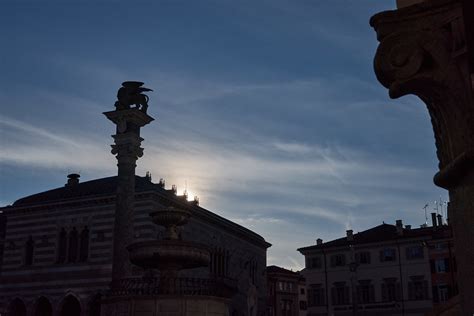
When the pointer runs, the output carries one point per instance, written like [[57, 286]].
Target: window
[[29, 249], [286, 307], [73, 246], [338, 260], [313, 263], [84, 245], [363, 257], [391, 290], [388, 254], [219, 265], [442, 293], [365, 292], [440, 265], [441, 246], [340, 293], [316, 295], [62, 246], [417, 288], [302, 291], [414, 252], [303, 306]]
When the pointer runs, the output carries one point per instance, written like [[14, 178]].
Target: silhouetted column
[[423, 51], [127, 149]]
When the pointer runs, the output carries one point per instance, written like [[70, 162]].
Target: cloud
[[278, 156], [29, 145]]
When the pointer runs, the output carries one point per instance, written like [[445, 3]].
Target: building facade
[[286, 292], [443, 265], [385, 270], [57, 254]]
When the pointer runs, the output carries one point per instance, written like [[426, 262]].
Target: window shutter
[[357, 257], [381, 256], [322, 298], [333, 261], [384, 292], [84, 245], [446, 264], [346, 295], [425, 290], [368, 257], [333, 296], [411, 291], [408, 252], [435, 294], [399, 292], [371, 293], [432, 265], [343, 260], [450, 291]]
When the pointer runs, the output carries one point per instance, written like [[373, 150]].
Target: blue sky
[[269, 111]]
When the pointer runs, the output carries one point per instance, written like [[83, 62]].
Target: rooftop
[[277, 269], [98, 187], [108, 187], [381, 233]]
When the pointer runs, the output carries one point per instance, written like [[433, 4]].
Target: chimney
[[440, 220], [350, 235], [407, 227], [399, 226], [433, 219], [319, 241], [72, 179]]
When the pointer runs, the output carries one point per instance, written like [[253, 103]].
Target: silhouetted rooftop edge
[[108, 187], [277, 269], [381, 233]]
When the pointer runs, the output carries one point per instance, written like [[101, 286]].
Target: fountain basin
[[170, 216], [168, 254]]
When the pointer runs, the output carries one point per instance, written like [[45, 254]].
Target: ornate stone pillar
[[423, 51], [127, 149]]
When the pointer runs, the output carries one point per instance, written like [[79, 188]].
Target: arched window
[[62, 246], [17, 308], [43, 307], [84, 245], [73, 245], [29, 249], [70, 307]]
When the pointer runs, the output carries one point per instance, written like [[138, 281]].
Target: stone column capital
[[423, 52]]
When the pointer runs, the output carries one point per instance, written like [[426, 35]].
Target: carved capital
[[423, 52], [132, 151]]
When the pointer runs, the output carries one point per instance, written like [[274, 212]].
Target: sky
[[269, 111]]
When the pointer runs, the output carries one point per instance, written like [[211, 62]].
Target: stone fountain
[[171, 254]]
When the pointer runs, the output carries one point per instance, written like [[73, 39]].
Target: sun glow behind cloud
[[277, 127]]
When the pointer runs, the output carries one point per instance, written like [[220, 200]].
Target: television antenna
[[426, 214]]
